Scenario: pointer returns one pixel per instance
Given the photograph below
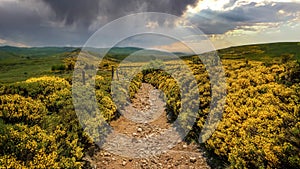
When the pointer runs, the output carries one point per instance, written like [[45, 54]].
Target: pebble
[[193, 159], [153, 161], [124, 163], [139, 129], [184, 146]]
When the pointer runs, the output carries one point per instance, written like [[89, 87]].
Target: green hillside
[[262, 52], [17, 64], [10, 51]]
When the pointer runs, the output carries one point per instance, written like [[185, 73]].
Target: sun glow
[[208, 4], [218, 5]]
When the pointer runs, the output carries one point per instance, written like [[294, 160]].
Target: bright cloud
[[11, 43], [226, 22]]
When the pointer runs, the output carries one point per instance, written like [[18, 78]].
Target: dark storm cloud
[[31, 22], [219, 22], [61, 22], [72, 11], [16, 22], [86, 11]]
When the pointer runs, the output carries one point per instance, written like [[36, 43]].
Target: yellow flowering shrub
[[260, 125], [257, 120], [30, 147], [44, 103], [17, 109], [50, 90]]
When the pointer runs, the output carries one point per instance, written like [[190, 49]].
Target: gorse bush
[[49, 90], [58, 68], [123, 91], [260, 125], [152, 66], [257, 120], [33, 147], [18, 109], [39, 126], [254, 127]]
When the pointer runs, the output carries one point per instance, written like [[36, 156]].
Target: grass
[[14, 67], [18, 64], [262, 52]]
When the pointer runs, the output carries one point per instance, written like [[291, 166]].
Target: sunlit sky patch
[[225, 22]]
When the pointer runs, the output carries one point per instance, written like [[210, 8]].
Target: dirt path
[[142, 138]]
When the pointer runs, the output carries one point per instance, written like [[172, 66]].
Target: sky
[[225, 23]]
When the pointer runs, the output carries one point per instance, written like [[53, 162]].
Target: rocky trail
[[143, 138]]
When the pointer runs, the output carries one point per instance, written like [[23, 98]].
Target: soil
[[144, 139]]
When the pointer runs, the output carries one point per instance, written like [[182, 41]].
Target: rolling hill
[[18, 64], [262, 52]]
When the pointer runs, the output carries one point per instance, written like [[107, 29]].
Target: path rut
[[143, 138]]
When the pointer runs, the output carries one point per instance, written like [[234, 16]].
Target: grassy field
[[17, 64], [262, 52]]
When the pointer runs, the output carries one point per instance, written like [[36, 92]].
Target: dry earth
[[143, 139]]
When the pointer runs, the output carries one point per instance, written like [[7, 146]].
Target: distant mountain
[[116, 53], [254, 52], [10, 51], [136, 54], [141, 55]]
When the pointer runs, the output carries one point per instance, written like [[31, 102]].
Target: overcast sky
[[72, 22]]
